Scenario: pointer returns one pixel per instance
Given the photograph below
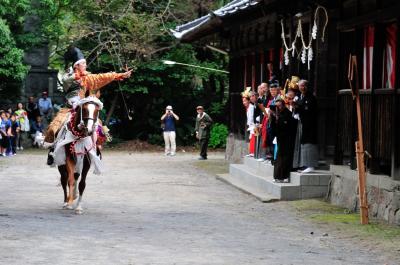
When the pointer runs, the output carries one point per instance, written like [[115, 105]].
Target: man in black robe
[[285, 126], [308, 111]]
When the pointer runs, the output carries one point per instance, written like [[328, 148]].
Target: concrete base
[[257, 178], [383, 193], [236, 148]]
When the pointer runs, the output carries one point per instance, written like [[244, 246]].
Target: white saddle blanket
[[83, 146]]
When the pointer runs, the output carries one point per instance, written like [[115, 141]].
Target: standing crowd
[[24, 125], [282, 126]]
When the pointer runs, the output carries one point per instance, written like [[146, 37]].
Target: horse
[[82, 126]]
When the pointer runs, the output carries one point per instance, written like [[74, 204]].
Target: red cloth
[[264, 132], [252, 144], [369, 39], [389, 56]]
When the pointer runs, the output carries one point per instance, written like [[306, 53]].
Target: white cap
[[169, 107]]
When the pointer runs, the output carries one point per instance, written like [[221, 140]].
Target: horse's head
[[87, 113]]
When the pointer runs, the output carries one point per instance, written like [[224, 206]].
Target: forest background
[[116, 33]]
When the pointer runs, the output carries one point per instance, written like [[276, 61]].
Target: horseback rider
[[78, 84]]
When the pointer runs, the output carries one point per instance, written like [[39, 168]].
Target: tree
[[23, 24], [115, 33]]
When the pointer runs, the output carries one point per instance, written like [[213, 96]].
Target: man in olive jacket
[[203, 124]]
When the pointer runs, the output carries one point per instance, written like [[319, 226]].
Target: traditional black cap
[[73, 55], [274, 83]]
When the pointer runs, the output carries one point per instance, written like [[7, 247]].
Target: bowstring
[[119, 85]]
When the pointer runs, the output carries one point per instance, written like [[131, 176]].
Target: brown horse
[[82, 125]]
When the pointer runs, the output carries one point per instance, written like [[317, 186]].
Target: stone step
[[248, 177], [261, 195], [315, 178], [261, 168]]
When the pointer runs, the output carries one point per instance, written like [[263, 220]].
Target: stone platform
[[256, 178]]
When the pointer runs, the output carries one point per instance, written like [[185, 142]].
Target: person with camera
[[271, 125], [168, 126], [203, 125], [45, 108], [261, 120]]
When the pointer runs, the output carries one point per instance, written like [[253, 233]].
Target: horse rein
[[82, 119]]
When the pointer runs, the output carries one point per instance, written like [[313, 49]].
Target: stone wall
[[383, 193], [236, 148]]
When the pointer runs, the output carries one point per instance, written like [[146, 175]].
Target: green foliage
[[219, 133], [115, 33], [155, 139], [11, 66], [23, 26]]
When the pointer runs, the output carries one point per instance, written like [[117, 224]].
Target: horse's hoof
[[65, 205], [68, 207], [78, 211]]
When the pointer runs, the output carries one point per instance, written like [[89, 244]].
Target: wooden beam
[[379, 16]]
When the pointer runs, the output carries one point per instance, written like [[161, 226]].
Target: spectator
[[14, 131], [45, 108], [262, 120], [5, 131], [250, 119], [292, 98], [37, 131], [256, 131], [22, 118], [168, 121], [307, 109], [271, 130], [32, 109], [203, 124], [285, 134]]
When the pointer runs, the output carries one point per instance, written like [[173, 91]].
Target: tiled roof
[[198, 24]]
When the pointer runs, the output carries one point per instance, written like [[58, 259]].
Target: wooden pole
[[353, 73]]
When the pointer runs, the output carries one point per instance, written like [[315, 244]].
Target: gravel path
[[151, 209]]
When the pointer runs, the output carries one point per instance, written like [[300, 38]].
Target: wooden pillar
[[253, 71], [395, 163], [338, 155], [233, 64], [376, 84], [262, 67], [245, 73]]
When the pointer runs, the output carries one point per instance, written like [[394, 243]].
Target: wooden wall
[[379, 104], [253, 35]]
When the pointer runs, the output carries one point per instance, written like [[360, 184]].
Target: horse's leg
[[64, 181], [82, 184], [70, 165], [76, 176]]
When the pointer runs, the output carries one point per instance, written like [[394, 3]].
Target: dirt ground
[[152, 209]]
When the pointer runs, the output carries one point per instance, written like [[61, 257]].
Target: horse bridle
[[82, 123]]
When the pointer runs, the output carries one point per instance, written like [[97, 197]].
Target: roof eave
[[210, 23], [208, 28]]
